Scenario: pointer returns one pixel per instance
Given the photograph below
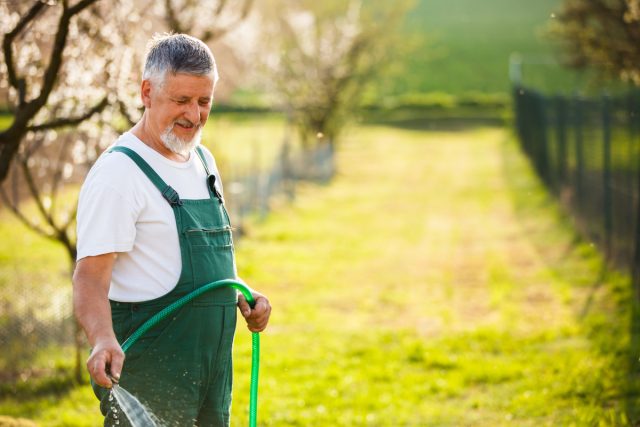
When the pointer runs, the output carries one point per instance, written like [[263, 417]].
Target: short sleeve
[[106, 220]]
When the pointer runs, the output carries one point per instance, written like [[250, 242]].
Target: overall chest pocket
[[211, 253]]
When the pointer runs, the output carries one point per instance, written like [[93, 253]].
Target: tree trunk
[[635, 270], [9, 144]]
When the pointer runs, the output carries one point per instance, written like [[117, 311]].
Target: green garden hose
[[255, 336]]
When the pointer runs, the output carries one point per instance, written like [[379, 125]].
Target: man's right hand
[[106, 361]]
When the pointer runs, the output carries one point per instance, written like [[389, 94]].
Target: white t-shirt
[[120, 210]]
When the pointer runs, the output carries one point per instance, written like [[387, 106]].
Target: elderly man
[[152, 227]]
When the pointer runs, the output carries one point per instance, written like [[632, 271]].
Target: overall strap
[[202, 159], [166, 190], [211, 178]]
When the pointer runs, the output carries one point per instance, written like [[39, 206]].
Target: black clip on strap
[[171, 196], [211, 180]]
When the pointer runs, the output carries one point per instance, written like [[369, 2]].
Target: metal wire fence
[[251, 192], [587, 152]]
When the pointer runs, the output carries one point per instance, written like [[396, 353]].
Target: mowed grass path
[[434, 283], [431, 283]]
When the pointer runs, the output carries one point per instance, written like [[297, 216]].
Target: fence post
[[634, 121], [606, 166], [540, 150], [578, 121], [635, 263], [561, 128]]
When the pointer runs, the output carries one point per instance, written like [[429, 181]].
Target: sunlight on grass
[[433, 283]]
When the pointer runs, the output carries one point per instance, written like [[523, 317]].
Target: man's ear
[[145, 93]]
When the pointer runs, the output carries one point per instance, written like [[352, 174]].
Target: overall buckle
[[171, 196]]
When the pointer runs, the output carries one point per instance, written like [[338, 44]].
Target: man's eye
[[181, 101]]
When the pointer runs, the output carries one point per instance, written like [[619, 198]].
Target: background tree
[[208, 21], [321, 56], [602, 34], [62, 67], [34, 74]]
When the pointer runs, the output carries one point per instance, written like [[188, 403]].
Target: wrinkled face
[[177, 109]]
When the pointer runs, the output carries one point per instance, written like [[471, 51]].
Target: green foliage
[[602, 34]]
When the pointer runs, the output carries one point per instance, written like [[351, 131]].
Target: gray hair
[[178, 53]]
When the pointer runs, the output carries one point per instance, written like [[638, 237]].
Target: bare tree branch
[[11, 138], [221, 5], [59, 44], [71, 218], [71, 121], [18, 213], [122, 107], [171, 18], [212, 31], [35, 193], [18, 83], [216, 33], [58, 174]]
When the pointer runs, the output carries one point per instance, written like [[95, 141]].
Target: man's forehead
[[188, 84]]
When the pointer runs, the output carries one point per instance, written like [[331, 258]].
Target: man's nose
[[192, 113]]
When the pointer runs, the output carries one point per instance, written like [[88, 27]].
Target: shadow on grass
[[55, 384], [610, 312], [450, 124], [455, 120]]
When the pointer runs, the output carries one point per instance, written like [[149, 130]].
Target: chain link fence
[[587, 152], [252, 192]]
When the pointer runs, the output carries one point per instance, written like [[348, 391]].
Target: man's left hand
[[258, 316]]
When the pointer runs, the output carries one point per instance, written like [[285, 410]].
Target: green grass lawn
[[464, 46], [434, 283], [431, 283]]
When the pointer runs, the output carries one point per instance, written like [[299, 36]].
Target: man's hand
[[105, 362], [258, 317]]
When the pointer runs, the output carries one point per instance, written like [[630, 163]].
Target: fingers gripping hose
[[255, 336]]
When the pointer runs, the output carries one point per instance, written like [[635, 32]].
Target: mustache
[[186, 123]]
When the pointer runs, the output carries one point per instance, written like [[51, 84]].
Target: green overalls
[[181, 369]]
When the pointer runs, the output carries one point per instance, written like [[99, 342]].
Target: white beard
[[178, 145]]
